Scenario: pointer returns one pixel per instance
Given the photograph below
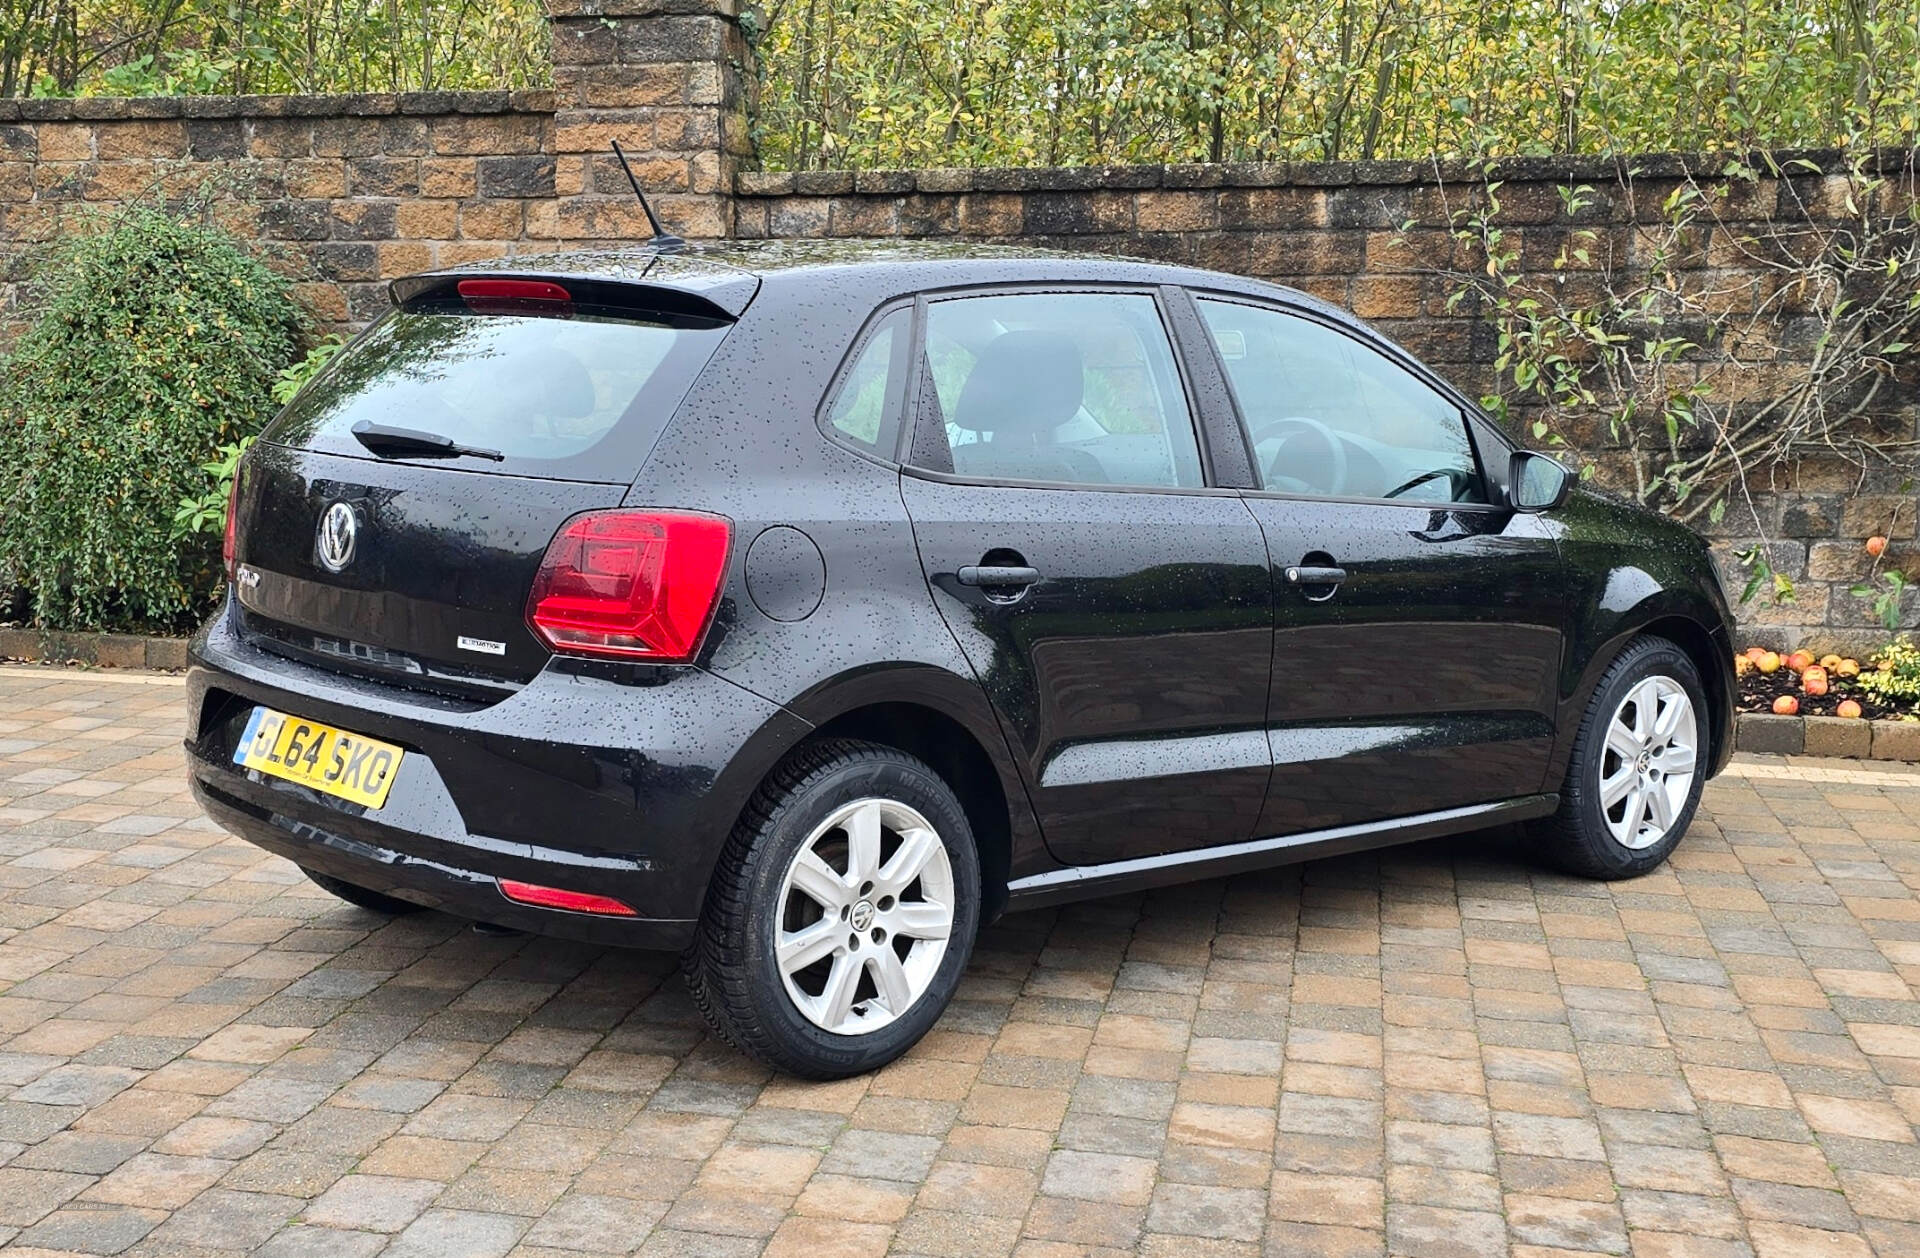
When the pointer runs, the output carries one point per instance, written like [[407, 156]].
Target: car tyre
[[824, 912], [360, 897], [1624, 805]]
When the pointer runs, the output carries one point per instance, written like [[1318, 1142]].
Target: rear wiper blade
[[384, 439]]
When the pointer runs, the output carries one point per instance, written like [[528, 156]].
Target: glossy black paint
[[1131, 677], [1159, 702], [440, 553]]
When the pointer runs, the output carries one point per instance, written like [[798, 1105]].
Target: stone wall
[[357, 189], [360, 189]]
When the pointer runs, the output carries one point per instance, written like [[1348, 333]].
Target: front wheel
[[842, 914], [1637, 768]]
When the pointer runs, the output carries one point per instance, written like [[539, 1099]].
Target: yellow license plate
[[351, 766]]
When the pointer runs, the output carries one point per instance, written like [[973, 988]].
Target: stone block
[[310, 177], [1764, 732], [462, 136], [1386, 296], [427, 220], [763, 183], [864, 216], [297, 220], [1077, 213], [492, 220], [345, 262], [1889, 515], [383, 177], [363, 220], [1177, 210], [796, 217], [115, 650], [1838, 736], [403, 257], [530, 176], [280, 137], [1892, 740], [448, 177], [626, 87], [153, 139], [1838, 561], [65, 142], [216, 138]]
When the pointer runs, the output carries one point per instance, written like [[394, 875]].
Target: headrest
[[1025, 383]]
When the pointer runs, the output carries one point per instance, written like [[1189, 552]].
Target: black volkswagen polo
[[803, 608]]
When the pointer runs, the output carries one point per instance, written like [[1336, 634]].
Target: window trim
[[923, 417], [1386, 349], [893, 405]]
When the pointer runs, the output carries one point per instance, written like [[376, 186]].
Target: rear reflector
[[630, 584], [229, 544], [555, 898], [493, 296]]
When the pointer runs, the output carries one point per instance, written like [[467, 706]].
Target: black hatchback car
[[803, 608]]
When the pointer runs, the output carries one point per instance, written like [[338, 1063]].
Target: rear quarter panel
[[745, 445]]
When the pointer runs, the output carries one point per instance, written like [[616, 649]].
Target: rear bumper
[[616, 780]]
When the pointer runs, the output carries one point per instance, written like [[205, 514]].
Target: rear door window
[[1067, 387], [579, 396]]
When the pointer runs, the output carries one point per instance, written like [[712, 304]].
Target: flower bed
[[1801, 685]]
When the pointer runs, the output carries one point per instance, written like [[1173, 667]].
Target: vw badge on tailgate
[[339, 528]]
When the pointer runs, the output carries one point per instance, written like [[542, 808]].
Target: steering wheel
[[1456, 479], [1336, 451]]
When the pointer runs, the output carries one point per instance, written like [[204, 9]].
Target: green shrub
[[156, 340], [1894, 678], [206, 510]]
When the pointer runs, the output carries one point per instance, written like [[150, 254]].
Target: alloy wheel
[[864, 916], [1648, 763]]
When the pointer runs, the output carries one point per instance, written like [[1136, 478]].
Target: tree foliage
[[156, 339], [173, 47], [883, 83]]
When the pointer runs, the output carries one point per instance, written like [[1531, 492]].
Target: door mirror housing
[[1536, 482]]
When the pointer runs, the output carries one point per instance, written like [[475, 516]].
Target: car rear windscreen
[[579, 395]]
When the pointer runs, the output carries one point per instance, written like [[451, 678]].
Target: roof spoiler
[[721, 302]]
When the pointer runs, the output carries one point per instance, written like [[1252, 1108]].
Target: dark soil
[[1758, 690]]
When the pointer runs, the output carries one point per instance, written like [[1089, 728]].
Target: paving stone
[[1429, 1052], [471, 1234], [373, 1203]]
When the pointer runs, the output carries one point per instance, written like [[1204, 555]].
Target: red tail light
[[228, 549], [630, 584], [555, 898]]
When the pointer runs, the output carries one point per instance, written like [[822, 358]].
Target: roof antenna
[[662, 240]]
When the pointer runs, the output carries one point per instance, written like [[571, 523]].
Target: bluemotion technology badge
[[339, 531]]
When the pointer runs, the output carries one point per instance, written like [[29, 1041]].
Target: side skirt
[[1083, 882]]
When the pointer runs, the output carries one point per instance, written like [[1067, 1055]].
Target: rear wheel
[[360, 896], [842, 914], [1637, 768]]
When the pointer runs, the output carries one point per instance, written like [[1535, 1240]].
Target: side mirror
[[1536, 482]]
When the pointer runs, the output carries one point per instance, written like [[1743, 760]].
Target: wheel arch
[[950, 750], [945, 720], [1698, 631]]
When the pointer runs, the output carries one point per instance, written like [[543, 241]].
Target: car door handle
[[997, 575], [1298, 575]]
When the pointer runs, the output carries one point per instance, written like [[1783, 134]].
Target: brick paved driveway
[[1436, 1050]]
